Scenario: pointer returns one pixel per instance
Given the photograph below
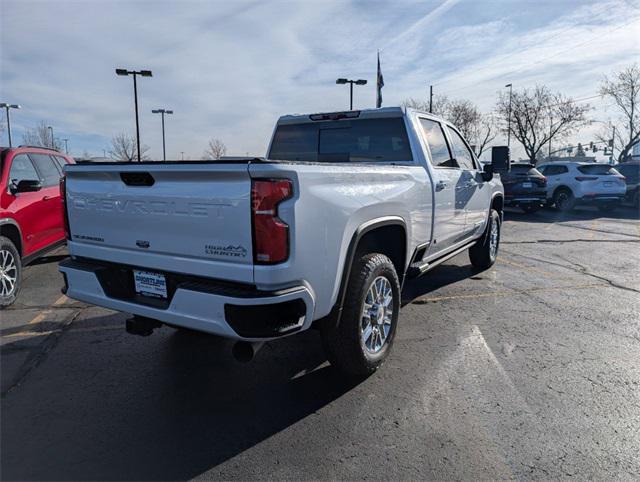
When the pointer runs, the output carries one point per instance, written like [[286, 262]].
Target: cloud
[[229, 69]]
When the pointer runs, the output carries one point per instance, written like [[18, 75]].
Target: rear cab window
[[353, 140]]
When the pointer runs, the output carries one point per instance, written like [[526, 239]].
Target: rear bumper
[[231, 311], [600, 198], [518, 199]]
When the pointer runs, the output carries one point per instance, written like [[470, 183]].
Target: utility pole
[[613, 144], [182, 152], [509, 119], [430, 99], [7, 107]]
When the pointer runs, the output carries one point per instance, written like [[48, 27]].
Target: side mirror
[[500, 159], [27, 185], [487, 172]]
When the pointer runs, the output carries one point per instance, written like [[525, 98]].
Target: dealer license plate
[[150, 284]]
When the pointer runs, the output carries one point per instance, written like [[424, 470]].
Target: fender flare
[[334, 316]]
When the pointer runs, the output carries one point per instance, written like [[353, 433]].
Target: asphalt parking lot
[[528, 370]]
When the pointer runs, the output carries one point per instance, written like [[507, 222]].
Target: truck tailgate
[[194, 218]]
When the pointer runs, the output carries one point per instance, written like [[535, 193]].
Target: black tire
[[530, 208], [481, 254], [564, 200], [343, 344], [10, 269]]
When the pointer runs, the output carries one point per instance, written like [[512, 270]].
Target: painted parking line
[[526, 268], [514, 292], [45, 313]]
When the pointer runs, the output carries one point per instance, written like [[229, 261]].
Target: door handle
[[440, 185]]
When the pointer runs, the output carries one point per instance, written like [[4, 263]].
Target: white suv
[[571, 183]]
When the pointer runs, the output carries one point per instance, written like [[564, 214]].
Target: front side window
[[440, 154], [47, 168], [554, 170], [461, 152], [359, 140], [22, 170]]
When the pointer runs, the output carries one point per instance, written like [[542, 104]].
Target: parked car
[[323, 232], [573, 183], [631, 173], [31, 214], [524, 187]]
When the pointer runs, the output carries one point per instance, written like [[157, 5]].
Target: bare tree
[[215, 149], [40, 135], [123, 148], [624, 90], [477, 128], [539, 116]]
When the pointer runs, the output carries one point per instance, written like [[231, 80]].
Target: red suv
[[31, 214]]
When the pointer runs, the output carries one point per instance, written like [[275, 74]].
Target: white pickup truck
[[322, 232]]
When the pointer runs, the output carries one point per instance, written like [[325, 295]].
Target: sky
[[229, 69]]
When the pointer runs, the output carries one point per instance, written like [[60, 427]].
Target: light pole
[[66, 146], [53, 146], [135, 73], [163, 112], [509, 119], [351, 82], [7, 107]]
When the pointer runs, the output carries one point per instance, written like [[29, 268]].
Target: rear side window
[[22, 170], [598, 170], [365, 140], [46, 167], [433, 133], [461, 152], [554, 170]]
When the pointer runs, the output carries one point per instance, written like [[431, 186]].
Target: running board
[[418, 269]]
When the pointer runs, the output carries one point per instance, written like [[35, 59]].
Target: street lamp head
[[361, 82], [15, 106], [508, 85], [122, 72], [341, 81], [168, 112], [146, 73], [157, 111]]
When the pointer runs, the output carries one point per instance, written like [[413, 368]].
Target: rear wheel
[[10, 272], [564, 200], [363, 338], [485, 251]]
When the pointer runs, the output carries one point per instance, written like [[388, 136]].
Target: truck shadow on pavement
[[168, 407]]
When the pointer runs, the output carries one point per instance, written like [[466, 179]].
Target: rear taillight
[[65, 214], [270, 233], [586, 178]]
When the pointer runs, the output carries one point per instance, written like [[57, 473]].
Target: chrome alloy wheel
[[493, 240], [8, 273], [376, 315]]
